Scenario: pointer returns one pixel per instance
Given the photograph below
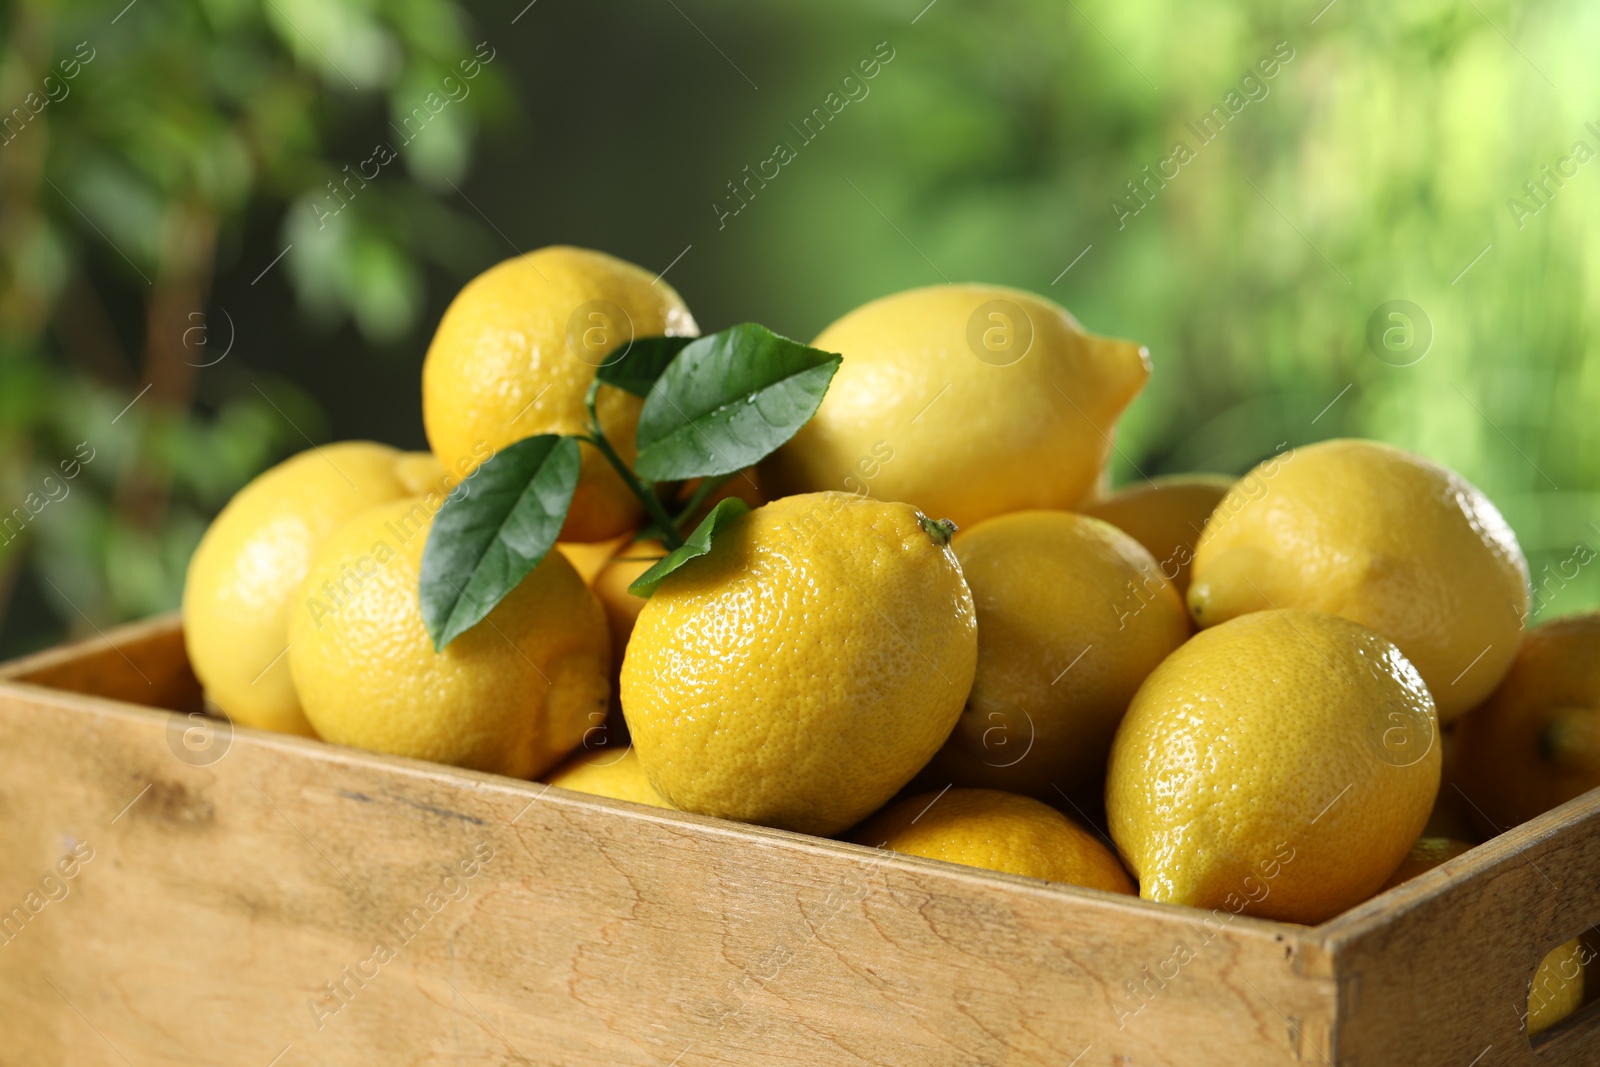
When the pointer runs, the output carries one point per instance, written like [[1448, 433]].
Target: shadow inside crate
[[147, 665]]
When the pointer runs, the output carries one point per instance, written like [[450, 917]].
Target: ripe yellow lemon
[[998, 832], [1384, 538], [1166, 515], [1280, 764], [608, 772], [1425, 855], [243, 575], [514, 356], [806, 668], [590, 558], [966, 401], [1535, 743], [1557, 989], [420, 473], [632, 558], [513, 695], [611, 587], [1072, 615]]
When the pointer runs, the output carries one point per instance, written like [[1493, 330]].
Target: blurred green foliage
[[137, 142], [1376, 164]]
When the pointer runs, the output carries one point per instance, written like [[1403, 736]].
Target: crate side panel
[[142, 663], [335, 907], [1438, 970]]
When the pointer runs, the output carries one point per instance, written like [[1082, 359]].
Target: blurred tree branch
[[134, 143]]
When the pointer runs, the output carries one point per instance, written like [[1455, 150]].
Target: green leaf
[[637, 369], [728, 400], [698, 544], [487, 539]]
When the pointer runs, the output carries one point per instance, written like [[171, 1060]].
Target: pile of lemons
[[937, 632]]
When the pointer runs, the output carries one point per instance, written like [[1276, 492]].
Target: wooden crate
[[227, 901]]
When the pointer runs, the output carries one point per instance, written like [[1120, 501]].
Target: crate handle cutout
[[1558, 968]]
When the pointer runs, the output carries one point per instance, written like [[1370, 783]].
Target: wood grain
[[141, 663], [464, 918], [1438, 970]]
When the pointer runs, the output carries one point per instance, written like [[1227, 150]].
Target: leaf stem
[[706, 487], [652, 503]]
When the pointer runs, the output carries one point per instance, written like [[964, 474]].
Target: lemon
[[632, 558], [608, 772], [420, 473], [1280, 764], [806, 668], [966, 401], [1166, 515], [252, 558], [513, 695], [514, 357], [1535, 743], [998, 832], [1557, 989], [590, 558], [1425, 855], [1072, 615], [611, 587], [1381, 537], [622, 608]]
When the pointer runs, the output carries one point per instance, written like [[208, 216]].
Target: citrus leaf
[[698, 544], [486, 540], [637, 369], [728, 400]]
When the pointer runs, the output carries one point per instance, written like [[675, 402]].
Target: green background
[[141, 213]]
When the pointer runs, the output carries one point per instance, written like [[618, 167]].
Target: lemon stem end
[[938, 530]]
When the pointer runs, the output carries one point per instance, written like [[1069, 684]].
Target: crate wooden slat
[[221, 898]]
